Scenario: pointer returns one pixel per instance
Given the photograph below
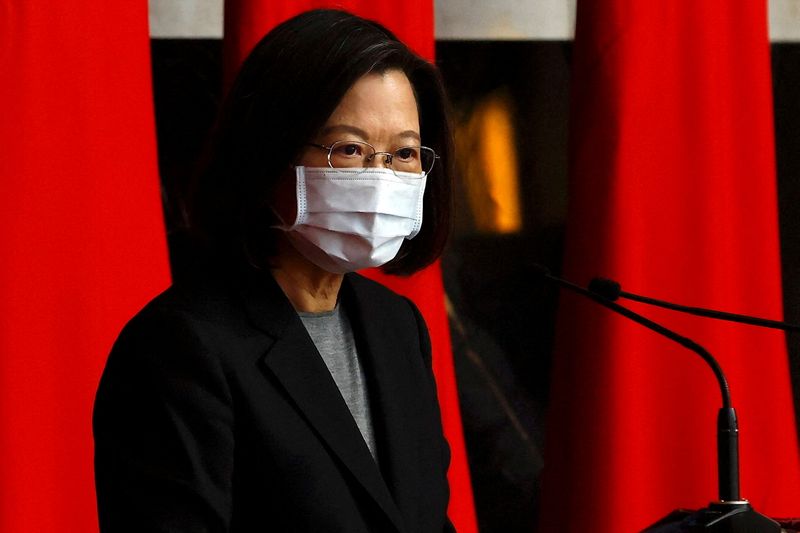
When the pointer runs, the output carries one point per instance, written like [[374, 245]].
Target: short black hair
[[285, 91]]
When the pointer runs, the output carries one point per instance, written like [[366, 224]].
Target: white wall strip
[[186, 19], [505, 19], [455, 19], [784, 20]]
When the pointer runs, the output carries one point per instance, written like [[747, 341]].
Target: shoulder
[[198, 324], [169, 327], [209, 306], [193, 301]]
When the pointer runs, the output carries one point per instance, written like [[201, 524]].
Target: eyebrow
[[410, 133], [346, 128]]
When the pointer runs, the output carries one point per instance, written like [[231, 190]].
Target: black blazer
[[215, 412]]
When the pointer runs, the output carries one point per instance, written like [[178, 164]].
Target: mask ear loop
[[281, 225]]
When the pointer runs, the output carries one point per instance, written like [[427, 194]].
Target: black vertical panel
[[786, 91], [187, 81]]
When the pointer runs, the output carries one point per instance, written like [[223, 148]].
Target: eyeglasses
[[358, 154]]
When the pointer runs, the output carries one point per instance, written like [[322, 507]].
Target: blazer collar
[[392, 394], [294, 360]]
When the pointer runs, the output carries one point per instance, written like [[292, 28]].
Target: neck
[[309, 288]]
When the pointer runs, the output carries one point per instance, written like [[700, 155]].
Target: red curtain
[[673, 192], [412, 21], [81, 239]]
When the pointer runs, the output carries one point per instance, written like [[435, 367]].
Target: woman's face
[[379, 109]]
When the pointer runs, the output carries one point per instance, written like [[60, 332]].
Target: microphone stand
[[731, 513]]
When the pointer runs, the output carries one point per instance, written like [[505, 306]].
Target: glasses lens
[[428, 158], [350, 154], [414, 159]]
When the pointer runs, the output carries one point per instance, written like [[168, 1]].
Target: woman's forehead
[[377, 105]]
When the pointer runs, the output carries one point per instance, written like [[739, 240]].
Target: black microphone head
[[607, 288]]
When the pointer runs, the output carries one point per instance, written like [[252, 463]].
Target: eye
[[407, 154], [348, 149]]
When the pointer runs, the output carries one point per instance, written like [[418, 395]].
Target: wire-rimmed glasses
[[360, 154]]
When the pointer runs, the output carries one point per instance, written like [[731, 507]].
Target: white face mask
[[349, 219]]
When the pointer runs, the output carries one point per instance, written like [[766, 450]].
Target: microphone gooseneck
[[612, 291], [730, 513], [646, 322], [727, 427]]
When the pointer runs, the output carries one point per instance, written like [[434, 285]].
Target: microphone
[[611, 290], [646, 322], [730, 513]]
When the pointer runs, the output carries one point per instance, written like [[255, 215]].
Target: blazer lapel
[[295, 362], [392, 398]]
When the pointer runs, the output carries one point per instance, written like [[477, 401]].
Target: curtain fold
[[81, 239], [673, 193]]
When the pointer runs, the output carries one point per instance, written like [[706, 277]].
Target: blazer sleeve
[[163, 429], [427, 354]]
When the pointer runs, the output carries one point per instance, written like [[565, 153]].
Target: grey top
[[333, 337]]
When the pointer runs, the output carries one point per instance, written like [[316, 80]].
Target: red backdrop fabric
[[672, 192], [412, 21], [81, 239]]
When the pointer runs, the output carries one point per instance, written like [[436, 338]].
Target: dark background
[[502, 366]]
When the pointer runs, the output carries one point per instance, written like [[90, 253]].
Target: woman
[[273, 389]]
